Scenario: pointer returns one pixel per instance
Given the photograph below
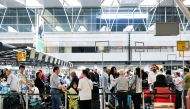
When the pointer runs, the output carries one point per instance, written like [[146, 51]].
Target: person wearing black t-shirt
[[39, 83]]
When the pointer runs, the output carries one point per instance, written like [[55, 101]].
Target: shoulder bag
[[132, 89]]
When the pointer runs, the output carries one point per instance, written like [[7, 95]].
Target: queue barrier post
[[143, 100], [27, 100], [65, 100]]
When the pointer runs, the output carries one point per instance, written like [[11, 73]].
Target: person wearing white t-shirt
[[12, 81], [152, 76], [85, 91], [23, 79], [179, 89]]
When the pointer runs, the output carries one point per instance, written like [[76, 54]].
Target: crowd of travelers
[[119, 85]]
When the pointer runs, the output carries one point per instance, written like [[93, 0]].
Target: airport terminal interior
[[94, 54]]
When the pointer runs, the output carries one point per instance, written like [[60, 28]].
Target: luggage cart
[[163, 98]]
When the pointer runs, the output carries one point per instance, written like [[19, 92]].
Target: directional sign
[[182, 45], [21, 56]]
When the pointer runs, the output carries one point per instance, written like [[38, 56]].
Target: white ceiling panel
[[11, 3], [91, 3], [167, 3], [84, 3], [130, 2], [52, 3]]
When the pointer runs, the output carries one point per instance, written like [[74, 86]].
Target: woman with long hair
[[39, 83], [74, 79], [111, 82], [137, 83], [112, 76]]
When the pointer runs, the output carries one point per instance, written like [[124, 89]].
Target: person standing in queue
[[122, 86], [3, 76], [85, 91], [56, 88], [39, 83], [104, 82], [137, 84], [186, 82], [24, 81], [12, 81], [179, 90], [152, 76]]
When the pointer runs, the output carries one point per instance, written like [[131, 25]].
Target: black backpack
[[12, 102]]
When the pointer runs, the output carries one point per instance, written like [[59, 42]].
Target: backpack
[[12, 102]]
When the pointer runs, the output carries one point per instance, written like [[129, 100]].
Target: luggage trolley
[[163, 98]]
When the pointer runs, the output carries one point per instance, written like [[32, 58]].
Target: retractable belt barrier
[[27, 97]]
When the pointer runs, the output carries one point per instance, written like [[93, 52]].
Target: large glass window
[[11, 12], [24, 20], [93, 19], [10, 20]]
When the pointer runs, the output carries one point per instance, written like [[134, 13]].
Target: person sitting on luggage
[[122, 86], [161, 86], [73, 90], [160, 81]]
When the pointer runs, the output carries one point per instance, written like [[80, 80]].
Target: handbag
[[112, 89], [132, 89]]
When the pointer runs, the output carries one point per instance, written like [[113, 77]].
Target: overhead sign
[[21, 56], [167, 29], [182, 45], [40, 57], [32, 54]]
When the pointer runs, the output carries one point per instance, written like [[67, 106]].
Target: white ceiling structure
[[84, 3]]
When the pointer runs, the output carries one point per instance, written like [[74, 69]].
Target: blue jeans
[[56, 98]]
